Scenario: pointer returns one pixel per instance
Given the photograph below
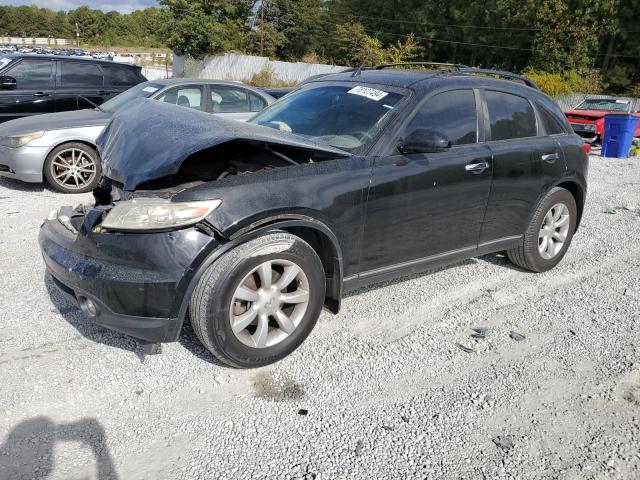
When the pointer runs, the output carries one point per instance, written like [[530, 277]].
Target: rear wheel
[[549, 233], [73, 168], [257, 303]]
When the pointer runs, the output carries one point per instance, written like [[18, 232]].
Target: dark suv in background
[[251, 229], [34, 84]]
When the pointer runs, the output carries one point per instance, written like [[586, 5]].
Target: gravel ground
[[379, 391]]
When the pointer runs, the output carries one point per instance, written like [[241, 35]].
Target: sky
[[122, 6]]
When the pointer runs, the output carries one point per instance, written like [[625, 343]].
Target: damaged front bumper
[[135, 283]]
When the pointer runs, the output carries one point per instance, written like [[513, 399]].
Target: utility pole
[[261, 27], [77, 35]]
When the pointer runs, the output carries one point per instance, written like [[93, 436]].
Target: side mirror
[[423, 140], [7, 83]]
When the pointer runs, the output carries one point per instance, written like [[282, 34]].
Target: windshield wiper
[[91, 102]]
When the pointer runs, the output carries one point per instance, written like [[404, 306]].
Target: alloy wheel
[[269, 303], [554, 230], [73, 169]]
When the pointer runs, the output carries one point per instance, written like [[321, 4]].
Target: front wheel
[[73, 168], [258, 302], [549, 233]]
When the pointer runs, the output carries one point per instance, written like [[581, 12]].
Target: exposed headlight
[[156, 214], [591, 127], [19, 140]]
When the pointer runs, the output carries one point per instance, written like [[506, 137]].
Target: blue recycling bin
[[618, 134]]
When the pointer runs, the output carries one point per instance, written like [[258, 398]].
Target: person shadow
[[28, 450]]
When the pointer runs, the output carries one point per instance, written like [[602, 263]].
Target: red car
[[587, 119]]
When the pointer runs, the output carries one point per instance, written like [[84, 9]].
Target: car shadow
[[28, 449], [189, 341], [500, 259], [19, 185], [94, 332]]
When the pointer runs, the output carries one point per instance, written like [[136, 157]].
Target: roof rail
[[498, 73], [424, 64]]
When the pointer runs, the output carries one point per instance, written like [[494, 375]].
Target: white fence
[[52, 42], [231, 66]]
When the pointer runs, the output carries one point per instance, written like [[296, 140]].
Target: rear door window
[[188, 96], [452, 114], [32, 74], [80, 74], [119, 76], [229, 100], [510, 116]]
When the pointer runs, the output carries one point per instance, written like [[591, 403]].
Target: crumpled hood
[[151, 139], [55, 121]]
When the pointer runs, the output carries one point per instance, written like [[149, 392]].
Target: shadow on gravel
[[28, 449], [90, 330], [14, 184], [501, 260], [190, 342]]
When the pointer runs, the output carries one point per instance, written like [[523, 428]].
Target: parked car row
[[250, 229], [77, 52], [61, 147]]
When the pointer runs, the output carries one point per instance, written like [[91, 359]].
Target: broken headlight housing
[[16, 141], [156, 214]]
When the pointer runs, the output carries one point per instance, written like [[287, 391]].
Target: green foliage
[[554, 84]]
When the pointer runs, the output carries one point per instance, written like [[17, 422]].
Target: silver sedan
[[60, 147]]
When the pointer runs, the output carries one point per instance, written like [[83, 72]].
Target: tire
[[80, 161], [214, 305], [527, 255]]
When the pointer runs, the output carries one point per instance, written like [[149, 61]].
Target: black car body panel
[[371, 216], [50, 83], [133, 153]]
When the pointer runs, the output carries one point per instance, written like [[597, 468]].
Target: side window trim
[[488, 123]]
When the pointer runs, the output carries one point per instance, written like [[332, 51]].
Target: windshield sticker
[[150, 89], [371, 93]]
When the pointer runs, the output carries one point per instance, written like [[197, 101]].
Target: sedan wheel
[[73, 168]]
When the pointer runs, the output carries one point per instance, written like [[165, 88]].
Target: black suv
[[250, 229], [33, 84]]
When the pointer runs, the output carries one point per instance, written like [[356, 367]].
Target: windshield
[[345, 117], [606, 104], [142, 90]]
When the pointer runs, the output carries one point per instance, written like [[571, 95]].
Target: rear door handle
[[476, 167], [102, 92], [550, 157], [41, 94]]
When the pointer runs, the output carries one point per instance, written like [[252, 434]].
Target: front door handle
[[41, 94], [477, 167], [550, 157]]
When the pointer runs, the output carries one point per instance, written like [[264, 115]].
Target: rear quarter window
[[510, 116], [119, 76], [553, 125]]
